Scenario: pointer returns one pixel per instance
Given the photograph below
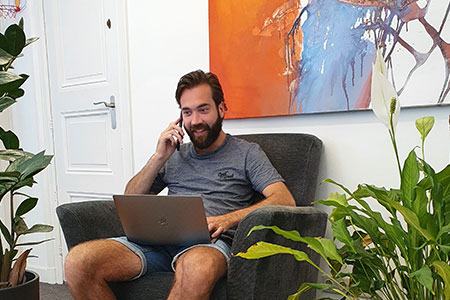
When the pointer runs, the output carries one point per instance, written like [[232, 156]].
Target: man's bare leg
[[197, 271], [89, 266]]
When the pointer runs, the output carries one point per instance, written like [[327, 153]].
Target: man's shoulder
[[239, 142]]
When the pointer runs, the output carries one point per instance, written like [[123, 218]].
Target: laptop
[[163, 220]]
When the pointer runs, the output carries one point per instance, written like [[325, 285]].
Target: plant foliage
[[401, 254], [21, 166]]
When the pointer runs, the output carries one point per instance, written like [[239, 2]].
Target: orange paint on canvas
[[247, 52]]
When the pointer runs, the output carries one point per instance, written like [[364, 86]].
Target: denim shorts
[[163, 258]]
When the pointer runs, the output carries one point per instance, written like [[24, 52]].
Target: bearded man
[[224, 170]]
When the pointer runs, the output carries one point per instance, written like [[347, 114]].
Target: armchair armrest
[[85, 221], [278, 276]]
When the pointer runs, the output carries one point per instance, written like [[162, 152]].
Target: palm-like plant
[[22, 166]]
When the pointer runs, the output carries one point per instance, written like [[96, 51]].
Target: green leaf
[[9, 139], [16, 39], [341, 233], [16, 93], [20, 226], [330, 249], [409, 179], [335, 199], [6, 102], [33, 243], [26, 206], [5, 232], [29, 166], [5, 57], [339, 185], [424, 126], [13, 154], [31, 40], [292, 235], [412, 219], [424, 276], [38, 228], [443, 269], [264, 249], [10, 81]]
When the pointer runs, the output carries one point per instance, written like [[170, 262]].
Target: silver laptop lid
[[163, 220]]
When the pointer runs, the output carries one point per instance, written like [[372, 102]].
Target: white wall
[[165, 43], [170, 38]]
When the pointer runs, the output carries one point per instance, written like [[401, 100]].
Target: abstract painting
[[285, 57]]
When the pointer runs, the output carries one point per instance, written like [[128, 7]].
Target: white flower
[[382, 93]]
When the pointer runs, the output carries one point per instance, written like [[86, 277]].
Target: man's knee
[[202, 265], [81, 262]]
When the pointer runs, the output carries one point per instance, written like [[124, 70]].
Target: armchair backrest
[[296, 156]]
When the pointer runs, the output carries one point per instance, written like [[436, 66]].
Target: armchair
[[296, 157]]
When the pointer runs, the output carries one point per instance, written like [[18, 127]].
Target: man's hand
[[167, 142], [168, 139], [219, 224]]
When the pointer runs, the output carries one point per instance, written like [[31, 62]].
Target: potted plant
[[401, 254], [19, 170]]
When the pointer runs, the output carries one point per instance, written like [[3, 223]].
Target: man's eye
[[186, 113]]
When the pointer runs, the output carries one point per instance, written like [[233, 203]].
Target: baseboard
[[47, 275]]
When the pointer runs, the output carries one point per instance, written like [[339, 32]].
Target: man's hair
[[196, 78]]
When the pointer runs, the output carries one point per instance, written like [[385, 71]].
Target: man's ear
[[222, 109]]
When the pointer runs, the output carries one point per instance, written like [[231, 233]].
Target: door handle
[[109, 105], [112, 111]]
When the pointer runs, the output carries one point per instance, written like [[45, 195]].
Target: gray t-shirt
[[226, 178]]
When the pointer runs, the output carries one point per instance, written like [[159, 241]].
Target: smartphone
[[181, 125]]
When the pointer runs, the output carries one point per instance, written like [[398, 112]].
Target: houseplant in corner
[[20, 169], [400, 254]]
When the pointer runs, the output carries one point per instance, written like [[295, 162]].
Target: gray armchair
[[296, 157]]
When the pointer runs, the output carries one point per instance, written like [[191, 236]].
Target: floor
[[54, 292]]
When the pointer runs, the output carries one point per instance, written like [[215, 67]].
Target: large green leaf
[[38, 228], [409, 179], [264, 249], [424, 276], [335, 199], [9, 139], [412, 219], [26, 206], [8, 85], [16, 39], [443, 269], [7, 78], [341, 233], [31, 165]]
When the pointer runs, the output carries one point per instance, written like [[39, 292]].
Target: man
[[224, 170]]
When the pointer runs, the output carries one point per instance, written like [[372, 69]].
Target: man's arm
[[143, 180], [275, 194]]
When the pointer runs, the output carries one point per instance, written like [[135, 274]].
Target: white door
[[86, 43]]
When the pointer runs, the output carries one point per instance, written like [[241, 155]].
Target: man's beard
[[211, 136]]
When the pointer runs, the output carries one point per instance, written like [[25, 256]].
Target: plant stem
[[11, 210], [394, 144]]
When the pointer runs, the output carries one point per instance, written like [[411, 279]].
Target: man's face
[[202, 119]]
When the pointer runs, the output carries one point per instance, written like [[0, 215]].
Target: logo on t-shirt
[[225, 175]]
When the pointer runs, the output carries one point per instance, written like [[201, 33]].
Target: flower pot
[[25, 291]]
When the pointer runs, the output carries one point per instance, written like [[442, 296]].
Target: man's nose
[[196, 119]]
